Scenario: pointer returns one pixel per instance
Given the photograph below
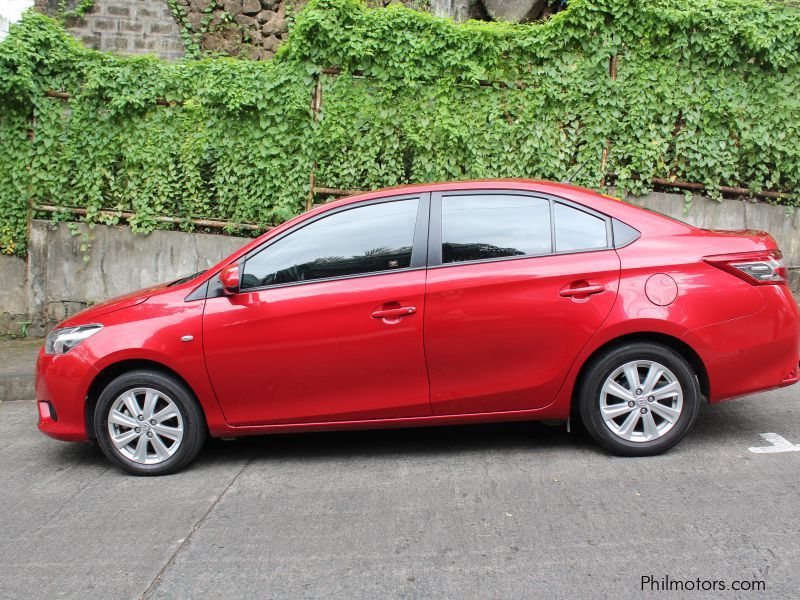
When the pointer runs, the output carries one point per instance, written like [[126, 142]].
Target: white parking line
[[779, 444]]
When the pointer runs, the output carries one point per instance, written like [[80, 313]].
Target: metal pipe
[[127, 215], [736, 191], [336, 191], [61, 95]]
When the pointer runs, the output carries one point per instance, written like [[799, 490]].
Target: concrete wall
[[125, 26], [782, 224], [732, 214], [13, 295], [58, 282]]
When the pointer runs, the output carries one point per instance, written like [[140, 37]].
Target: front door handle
[[394, 313], [583, 290]]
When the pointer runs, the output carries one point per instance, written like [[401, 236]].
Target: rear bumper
[[62, 383], [754, 353]]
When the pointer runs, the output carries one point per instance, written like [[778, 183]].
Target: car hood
[[103, 308]]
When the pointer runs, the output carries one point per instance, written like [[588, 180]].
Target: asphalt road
[[500, 511]]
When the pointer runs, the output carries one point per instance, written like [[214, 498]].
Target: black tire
[[604, 365], [193, 421]]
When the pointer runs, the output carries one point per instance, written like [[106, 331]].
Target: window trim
[[419, 244], [435, 236]]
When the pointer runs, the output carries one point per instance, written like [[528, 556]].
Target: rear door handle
[[389, 313], [584, 290]]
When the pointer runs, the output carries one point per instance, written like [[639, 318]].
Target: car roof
[[608, 205], [550, 187], [637, 217]]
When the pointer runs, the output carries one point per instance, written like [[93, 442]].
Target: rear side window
[[479, 227], [578, 230], [361, 240]]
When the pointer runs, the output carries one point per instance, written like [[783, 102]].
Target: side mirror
[[230, 279]]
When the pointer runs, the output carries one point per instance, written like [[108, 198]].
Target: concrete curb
[[17, 368], [17, 389]]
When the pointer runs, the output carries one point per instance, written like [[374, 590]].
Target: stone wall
[[56, 281], [124, 26], [251, 29], [256, 28], [248, 28]]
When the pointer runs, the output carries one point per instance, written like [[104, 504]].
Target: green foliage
[[232, 143], [15, 154], [190, 36], [706, 91], [63, 11]]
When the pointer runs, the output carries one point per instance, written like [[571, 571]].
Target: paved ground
[[509, 511]]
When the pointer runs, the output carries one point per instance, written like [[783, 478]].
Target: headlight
[[61, 341]]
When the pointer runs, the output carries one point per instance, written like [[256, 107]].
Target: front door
[[328, 324]]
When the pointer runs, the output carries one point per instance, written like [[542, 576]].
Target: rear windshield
[[666, 216]]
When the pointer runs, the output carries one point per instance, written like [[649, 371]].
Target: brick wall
[[125, 27]]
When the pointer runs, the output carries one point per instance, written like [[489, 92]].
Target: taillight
[[758, 268]]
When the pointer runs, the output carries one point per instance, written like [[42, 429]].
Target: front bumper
[[62, 384]]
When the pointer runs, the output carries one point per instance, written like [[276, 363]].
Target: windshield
[[185, 279]]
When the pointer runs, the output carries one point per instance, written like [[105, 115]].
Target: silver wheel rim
[[145, 426], [641, 401]]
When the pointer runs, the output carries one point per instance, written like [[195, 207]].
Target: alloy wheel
[[145, 425], [641, 401]]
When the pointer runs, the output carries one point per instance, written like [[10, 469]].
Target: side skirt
[[552, 411]]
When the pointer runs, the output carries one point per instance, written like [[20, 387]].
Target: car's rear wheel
[[149, 423], [639, 399]]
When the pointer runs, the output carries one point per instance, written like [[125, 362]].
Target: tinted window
[[578, 230], [494, 226], [360, 240]]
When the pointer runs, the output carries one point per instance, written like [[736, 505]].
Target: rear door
[[517, 284]]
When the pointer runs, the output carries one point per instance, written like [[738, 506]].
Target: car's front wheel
[[149, 423], [639, 399]]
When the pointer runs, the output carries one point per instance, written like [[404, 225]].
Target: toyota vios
[[432, 305]]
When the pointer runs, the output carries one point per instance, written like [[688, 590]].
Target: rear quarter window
[[578, 230]]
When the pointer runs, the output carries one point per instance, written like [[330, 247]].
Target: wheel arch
[[685, 350], [114, 370]]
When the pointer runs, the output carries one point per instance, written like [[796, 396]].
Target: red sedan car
[[432, 305]]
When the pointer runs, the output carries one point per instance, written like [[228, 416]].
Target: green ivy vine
[[191, 37], [63, 12], [702, 90]]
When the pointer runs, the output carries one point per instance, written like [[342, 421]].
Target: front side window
[[578, 230], [480, 227], [366, 239]]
